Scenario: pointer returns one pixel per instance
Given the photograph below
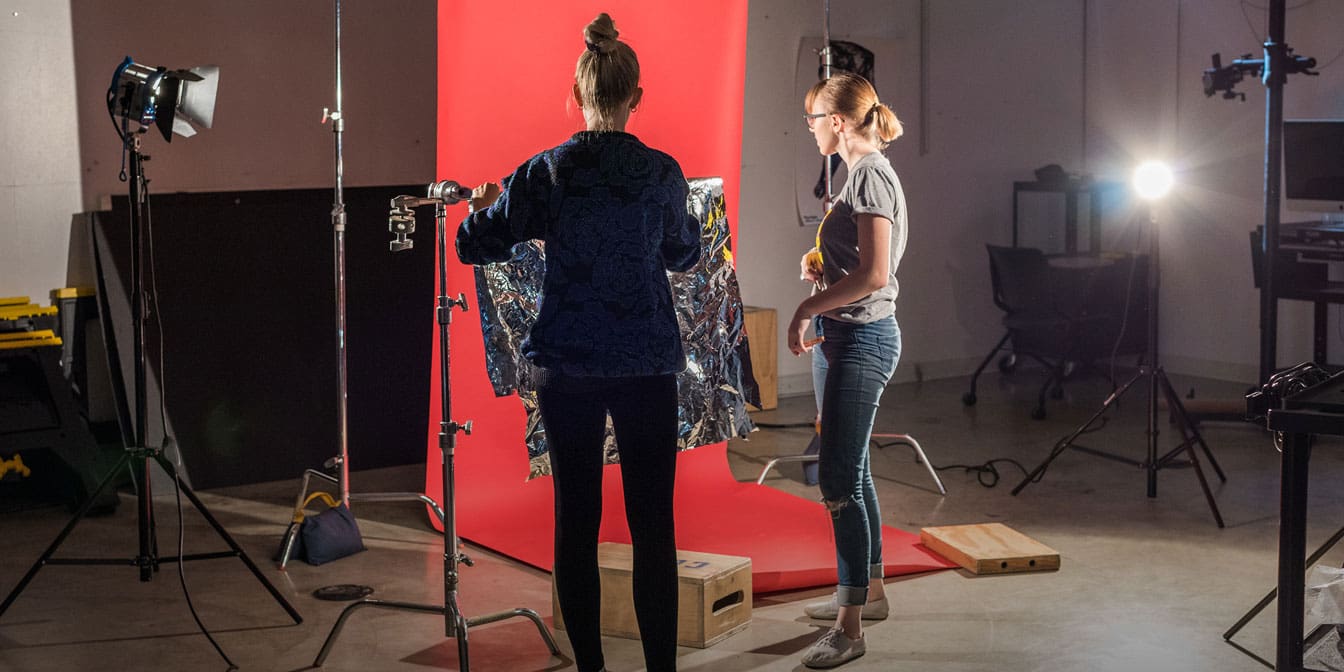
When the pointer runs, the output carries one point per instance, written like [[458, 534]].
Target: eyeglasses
[[809, 118]]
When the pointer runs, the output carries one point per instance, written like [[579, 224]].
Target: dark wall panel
[[246, 292]]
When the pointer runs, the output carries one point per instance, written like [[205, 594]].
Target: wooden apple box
[[990, 548], [713, 596]]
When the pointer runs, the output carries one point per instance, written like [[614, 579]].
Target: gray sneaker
[[833, 649], [830, 609]]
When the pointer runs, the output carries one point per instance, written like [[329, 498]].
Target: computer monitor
[[1313, 166]]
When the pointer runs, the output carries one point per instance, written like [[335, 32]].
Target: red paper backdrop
[[505, 74]]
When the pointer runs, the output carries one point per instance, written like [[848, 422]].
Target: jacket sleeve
[[488, 235], [681, 232]]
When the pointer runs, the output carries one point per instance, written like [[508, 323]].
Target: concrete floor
[[1145, 584]]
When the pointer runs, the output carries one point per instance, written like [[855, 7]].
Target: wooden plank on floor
[[990, 548]]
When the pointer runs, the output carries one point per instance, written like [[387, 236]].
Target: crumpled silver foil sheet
[[717, 383]]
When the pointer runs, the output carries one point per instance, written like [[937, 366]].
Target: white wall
[[1005, 97], [1089, 84], [1093, 85], [277, 73], [39, 146], [1145, 73], [59, 154]]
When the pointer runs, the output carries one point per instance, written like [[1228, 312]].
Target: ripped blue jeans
[[859, 361]]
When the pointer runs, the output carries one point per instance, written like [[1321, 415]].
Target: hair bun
[[601, 34]]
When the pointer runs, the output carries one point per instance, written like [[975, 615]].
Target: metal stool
[[898, 438]]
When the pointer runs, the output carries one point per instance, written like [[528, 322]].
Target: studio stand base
[[148, 559], [1154, 462], [458, 625], [291, 538]]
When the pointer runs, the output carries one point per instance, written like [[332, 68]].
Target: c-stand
[[340, 463], [1273, 69], [134, 437], [402, 222]]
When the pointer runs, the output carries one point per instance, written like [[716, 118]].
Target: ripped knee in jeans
[[835, 506]]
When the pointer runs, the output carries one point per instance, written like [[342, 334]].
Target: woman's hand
[[483, 196], [810, 266], [798, 343]]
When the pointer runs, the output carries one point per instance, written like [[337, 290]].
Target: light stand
[[402, 223], [1273, 70], [136, 451], [341, 462], [1156, 378], [826, 62]]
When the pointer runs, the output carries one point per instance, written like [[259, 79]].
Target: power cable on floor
[[987, 474], [168, 441]]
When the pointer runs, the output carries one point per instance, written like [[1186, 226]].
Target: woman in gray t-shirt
[[859, 244]]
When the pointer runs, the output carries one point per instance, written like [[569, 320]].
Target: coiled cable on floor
[[987, 474]]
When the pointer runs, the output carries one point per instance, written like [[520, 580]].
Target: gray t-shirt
[[872, 188]]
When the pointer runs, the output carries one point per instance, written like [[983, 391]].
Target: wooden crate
[[989, 548], [713, 596], [760, 325]]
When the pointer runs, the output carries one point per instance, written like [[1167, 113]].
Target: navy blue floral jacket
[[612, 214]]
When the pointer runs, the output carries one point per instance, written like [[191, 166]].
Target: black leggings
[[644, 416]]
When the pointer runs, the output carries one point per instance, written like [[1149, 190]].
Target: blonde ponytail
[[885, 124]]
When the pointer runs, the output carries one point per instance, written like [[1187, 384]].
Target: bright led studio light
[[1153, 180]]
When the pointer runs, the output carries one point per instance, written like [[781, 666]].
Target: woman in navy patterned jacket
[[612, 213]]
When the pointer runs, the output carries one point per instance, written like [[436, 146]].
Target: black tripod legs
[[46, 558], [1067, 442], [450, 611], [148, 559], [1157, 384], [1189, 430], [228, 539], [1190, 438]]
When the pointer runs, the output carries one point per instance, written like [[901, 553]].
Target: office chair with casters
[[1045, 319]]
